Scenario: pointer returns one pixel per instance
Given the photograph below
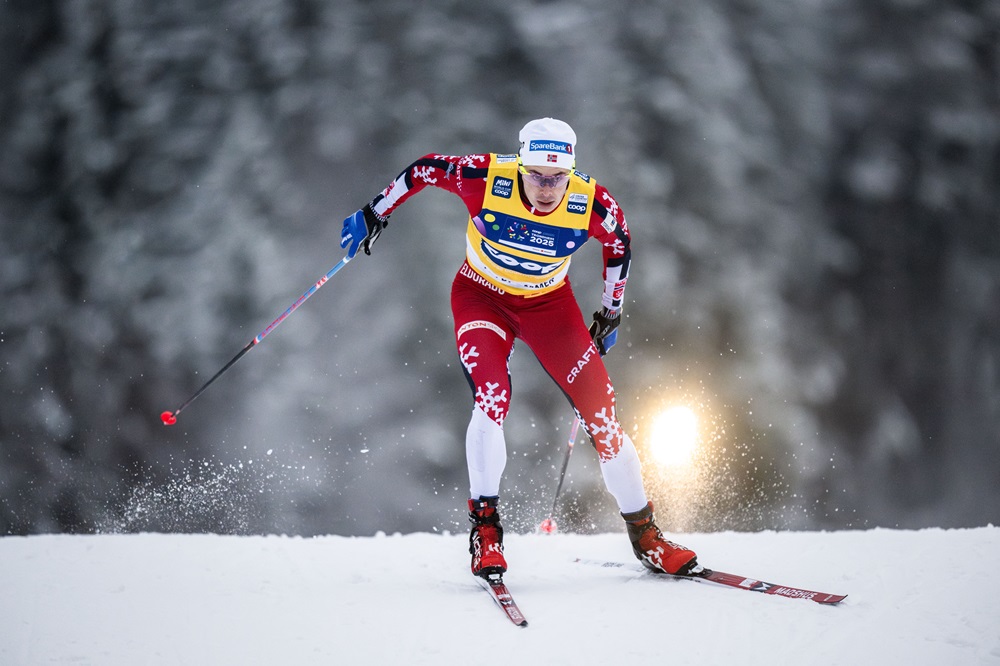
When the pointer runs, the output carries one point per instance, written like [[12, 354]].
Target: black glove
[[604, 330], [362, 229]]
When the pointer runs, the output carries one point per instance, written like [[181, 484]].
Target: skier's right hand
[[362, 229]]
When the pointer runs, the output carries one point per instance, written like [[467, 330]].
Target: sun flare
[[673, 437]]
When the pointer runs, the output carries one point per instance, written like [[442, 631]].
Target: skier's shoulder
[[603, 197]]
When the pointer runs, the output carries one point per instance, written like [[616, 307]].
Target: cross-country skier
[[528, 213]]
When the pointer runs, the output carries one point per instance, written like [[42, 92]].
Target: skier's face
[[544, 186]]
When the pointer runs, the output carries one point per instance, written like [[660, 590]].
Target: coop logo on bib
[[577, 203], [511, 262]]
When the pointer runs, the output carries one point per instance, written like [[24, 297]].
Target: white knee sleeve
[[623, 478], [486, 455]]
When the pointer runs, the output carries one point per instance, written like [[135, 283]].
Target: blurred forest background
[[813, 190]]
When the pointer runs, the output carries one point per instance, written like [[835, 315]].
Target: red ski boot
[[652, 549], [486, 539]]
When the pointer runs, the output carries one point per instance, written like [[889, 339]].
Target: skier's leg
[[562, 344], [559, 338], [485, 342]]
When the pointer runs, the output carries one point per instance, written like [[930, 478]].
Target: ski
[[702, 574], [498, 590]]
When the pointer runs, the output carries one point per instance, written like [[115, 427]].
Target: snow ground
[[916, 597]]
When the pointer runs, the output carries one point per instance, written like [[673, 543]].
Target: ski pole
[[548, 525], [170, 418]]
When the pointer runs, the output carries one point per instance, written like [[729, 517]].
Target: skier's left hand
[[604, 330]]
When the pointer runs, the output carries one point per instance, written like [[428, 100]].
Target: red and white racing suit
[[513, 284]]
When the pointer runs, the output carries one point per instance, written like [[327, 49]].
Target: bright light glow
[[674, 437]]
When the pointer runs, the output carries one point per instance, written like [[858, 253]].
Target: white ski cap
[[548, 142]]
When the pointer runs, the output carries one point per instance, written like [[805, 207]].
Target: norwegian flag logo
[[552, 158]]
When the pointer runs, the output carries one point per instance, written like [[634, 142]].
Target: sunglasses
[[555, 180]]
